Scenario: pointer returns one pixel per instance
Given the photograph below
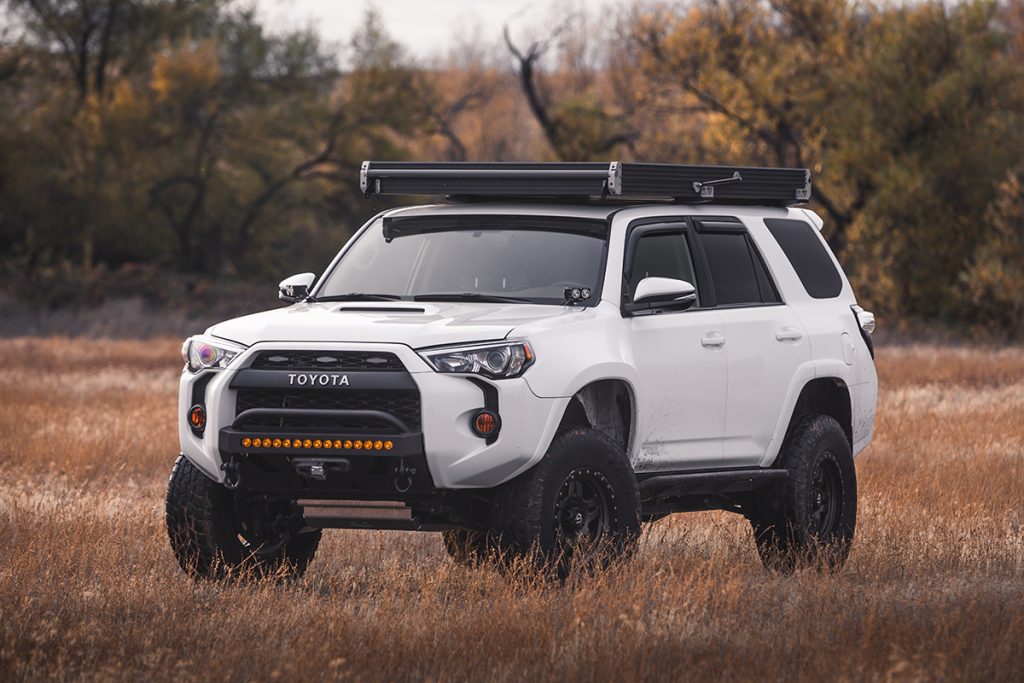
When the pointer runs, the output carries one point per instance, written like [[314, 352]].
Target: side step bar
[[684, 491]]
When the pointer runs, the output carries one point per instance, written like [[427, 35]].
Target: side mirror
[[296, 287], [662, 292]]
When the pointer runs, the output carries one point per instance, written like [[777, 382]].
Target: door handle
[[713, 340], [784, 334]]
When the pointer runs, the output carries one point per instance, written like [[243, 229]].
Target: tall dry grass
[[934, 588]]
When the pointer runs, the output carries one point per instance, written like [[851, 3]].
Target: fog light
[[486, 423], [197, 417]]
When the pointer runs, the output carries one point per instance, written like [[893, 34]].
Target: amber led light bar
[[278, 442]]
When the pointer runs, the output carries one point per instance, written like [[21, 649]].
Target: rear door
[[679, 357], [765, 341]]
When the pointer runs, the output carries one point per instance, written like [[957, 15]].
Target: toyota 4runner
[[557, 354]]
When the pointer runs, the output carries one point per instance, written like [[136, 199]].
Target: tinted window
[[662, 255], [732, 268], [809, 257], [534, 264]]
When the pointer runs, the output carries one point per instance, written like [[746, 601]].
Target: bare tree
[[563, 131]]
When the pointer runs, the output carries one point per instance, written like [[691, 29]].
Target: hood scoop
[[378, 309]]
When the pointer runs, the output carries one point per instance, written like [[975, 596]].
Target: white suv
[[558, 354]]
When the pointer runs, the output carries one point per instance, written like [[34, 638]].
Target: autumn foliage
[[187, 136]]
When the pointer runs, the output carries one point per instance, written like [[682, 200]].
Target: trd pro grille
[[327, 360]]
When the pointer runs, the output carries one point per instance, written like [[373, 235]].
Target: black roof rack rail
[[588, 180]]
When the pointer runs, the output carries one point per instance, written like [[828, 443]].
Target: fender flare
[[805, 373], [613, 371]]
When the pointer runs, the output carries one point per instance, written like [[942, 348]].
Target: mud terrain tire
[[579, 505], [810, 518], [208, 539]]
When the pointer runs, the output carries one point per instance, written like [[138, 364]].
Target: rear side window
[[808, 255], [732, 268]]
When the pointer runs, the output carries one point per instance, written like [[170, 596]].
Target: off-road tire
[[204, 533], [467, 547], [524, 520], [797, 525]]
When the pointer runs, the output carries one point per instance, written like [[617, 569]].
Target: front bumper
[[452, 456]]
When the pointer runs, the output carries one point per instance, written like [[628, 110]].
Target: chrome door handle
[[713, 340], [788, 334]]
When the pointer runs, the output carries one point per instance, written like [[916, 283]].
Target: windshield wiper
[[355, 296], [471, 296]]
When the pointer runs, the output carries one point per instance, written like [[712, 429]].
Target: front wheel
[[217, 533], [579, 505], [809, 520]]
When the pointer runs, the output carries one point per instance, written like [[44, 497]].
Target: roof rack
[[588, 180]]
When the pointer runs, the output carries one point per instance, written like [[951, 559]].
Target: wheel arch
[[607, 406], [823, 396]]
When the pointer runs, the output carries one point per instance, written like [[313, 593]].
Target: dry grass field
[[934, 588]]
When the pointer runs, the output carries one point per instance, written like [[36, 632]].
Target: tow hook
[[403, 477], [232, 474]]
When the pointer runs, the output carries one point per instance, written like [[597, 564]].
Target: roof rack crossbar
[[588, 180]]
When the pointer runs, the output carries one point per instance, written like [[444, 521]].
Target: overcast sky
[[425, 27]]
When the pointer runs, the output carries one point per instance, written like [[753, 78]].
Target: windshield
[[481, 258]]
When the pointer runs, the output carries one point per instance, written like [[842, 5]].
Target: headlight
[[206, 353], [499, 360]]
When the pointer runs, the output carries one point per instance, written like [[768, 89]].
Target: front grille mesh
[[404, 404], [327, 360]]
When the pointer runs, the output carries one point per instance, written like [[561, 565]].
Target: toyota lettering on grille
[[317, 379]]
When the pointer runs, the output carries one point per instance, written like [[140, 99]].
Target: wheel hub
[[582, 507]]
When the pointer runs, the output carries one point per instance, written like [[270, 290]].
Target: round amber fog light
[[486, 423], [197, 417]]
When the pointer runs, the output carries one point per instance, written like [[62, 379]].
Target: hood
[[415, 324]]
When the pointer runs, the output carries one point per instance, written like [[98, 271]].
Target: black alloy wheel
[[584, 509], [826, 496]]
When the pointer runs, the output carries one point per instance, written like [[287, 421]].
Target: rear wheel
[[809, 520], [217, 533], [578, 506]]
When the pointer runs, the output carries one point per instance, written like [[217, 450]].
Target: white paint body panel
[[694, 406]]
